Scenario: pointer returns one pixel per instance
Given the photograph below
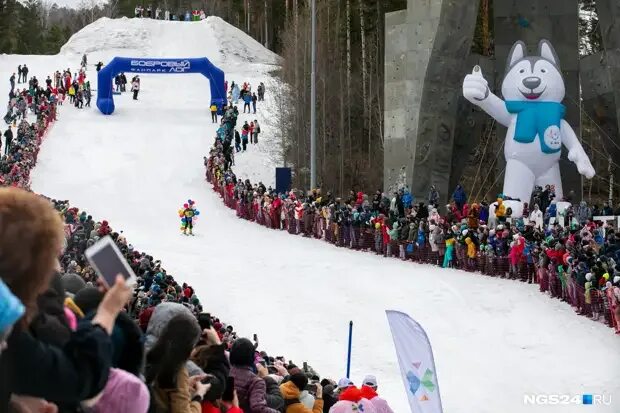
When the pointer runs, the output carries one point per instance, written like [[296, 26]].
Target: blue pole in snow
[[349, 352]]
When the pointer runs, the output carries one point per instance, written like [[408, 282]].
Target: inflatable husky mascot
[[533, 89]]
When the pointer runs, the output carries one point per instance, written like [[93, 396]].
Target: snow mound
[[219, 41], [111, 35]]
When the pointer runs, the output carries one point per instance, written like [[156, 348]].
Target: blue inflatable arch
[[105, 101]]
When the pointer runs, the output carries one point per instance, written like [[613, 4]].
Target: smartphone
[[229, 392], [108, 261], [255, 337]]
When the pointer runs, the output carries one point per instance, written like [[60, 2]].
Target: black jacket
[[273, 396], [75, 372]]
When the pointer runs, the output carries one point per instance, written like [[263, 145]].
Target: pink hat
[[123, 392]]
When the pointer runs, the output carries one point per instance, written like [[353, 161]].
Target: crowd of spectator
[[144, 348], [566, 251]]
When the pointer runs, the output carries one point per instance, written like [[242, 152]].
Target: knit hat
[[11, 309], [344, 383], [300, 380], [370, 381], [72, 283], [88, 299], [242, 353], [123, 392]]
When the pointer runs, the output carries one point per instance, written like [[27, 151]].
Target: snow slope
[[494, 340]]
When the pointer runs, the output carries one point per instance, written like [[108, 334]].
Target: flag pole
[[349, 351]]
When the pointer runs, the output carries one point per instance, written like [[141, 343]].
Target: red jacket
[[556, 255], [208, 407], [188, 292]]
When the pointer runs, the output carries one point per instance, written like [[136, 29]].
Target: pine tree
[[9, 38], [30, 30], [55, 38]]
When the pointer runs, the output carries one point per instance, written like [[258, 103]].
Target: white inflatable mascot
[[533, 89]]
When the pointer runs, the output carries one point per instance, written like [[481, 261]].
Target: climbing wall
[[396, 148], [427, 46], [556, 21]]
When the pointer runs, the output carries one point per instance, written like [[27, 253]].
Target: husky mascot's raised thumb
[[533, 90]]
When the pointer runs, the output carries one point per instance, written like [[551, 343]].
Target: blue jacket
[[407, 199], [459, 195]]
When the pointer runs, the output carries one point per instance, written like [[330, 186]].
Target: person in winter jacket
[[448, 258], [247, 101], [536, 217], [291, 391], [211, 358], [78, 370], [473, 217], [213, 109], [166, 371], [251, 389], [584, 213], [516, 255], [255, 132], [123, 392], [8, 139], [500, 211], [459, 197], [433, 196], [471, 252], [135, 87], [351, 400], [244, 137], [369, 391]]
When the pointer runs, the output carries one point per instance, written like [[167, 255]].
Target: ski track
[[494, 340]]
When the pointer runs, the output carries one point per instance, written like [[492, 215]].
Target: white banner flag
[[417, 366]]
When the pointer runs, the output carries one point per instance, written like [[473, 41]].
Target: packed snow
[[494, 340]]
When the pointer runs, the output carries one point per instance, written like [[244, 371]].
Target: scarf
[[534, 118]]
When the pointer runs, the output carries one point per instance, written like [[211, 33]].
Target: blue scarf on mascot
[[534, 118]]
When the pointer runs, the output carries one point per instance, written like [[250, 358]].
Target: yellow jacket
[[177, 400], [290, 391], [213, 108], [500, 211], [471, 248]]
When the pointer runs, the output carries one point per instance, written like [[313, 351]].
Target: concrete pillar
[[419, 126], [556, 21], [397, 151]]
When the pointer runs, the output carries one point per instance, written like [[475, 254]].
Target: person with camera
[[291, 390], [251, 388], [77, 371], [173, 390]]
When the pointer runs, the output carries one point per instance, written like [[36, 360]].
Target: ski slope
[[494, 340]]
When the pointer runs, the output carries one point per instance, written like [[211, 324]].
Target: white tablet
[[108, 262]]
